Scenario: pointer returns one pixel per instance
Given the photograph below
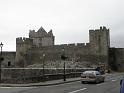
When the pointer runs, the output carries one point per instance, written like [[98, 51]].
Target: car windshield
[[89, 72]]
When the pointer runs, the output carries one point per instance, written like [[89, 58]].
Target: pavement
[[45, 83]]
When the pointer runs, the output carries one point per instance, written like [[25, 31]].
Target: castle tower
[[100, 43], [41, 37], [23, 45]]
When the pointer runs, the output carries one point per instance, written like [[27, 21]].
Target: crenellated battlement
[[75, 45], [101, 29], [23, 40], [80, 44], [72, 44]]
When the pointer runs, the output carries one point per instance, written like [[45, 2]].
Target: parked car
[[122, 85], [92, 76]]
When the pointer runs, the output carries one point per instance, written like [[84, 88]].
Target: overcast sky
[[70, 20]]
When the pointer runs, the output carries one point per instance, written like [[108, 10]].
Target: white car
[[92, 76]]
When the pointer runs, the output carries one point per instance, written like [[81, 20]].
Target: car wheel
[[97, 81], [103, 81], [83, 82]]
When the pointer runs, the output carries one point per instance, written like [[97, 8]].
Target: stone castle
[[30, 50], [40, 47]]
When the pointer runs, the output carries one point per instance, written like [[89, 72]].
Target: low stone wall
[[33, 75]]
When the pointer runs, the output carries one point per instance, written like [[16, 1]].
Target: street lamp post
[[1, 46], [64, 77], [63, 57], [1, 59], [43, 67]]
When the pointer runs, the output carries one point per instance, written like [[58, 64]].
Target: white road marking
[[114, 80], [78, 90]]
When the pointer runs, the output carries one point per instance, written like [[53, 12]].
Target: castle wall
[[116, 59], [75, 52], [9, 59]]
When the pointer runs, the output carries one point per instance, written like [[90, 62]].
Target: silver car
[[92, 76]]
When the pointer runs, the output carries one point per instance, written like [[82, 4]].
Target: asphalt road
[[111, 85]]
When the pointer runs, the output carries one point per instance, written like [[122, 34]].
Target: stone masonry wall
[[79, 53], [116, 59], [9, 59], [33, 75]]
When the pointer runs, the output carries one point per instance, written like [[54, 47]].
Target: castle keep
[[30, 50], [41, 37]]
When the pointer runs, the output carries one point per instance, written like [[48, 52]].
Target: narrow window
[[9, 64]]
